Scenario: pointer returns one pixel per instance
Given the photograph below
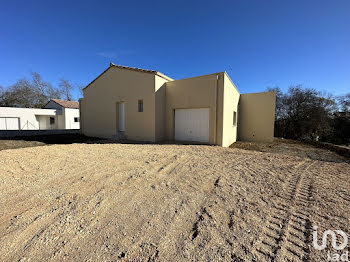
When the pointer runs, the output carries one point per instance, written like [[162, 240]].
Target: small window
[[52, 120], [76, 119], [140, 106], [234, 118]]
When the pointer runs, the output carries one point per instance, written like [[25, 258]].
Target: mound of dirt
[[292, 147]]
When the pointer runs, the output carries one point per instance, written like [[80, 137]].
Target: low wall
[[256, 117], [14, 133]]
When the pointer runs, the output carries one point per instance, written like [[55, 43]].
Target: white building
[[57, 114]]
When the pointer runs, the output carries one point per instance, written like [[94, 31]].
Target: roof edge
[[232, 82], [131, 68], [98, 76]]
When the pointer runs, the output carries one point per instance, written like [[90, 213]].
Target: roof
[[66, 104], [134, 69]]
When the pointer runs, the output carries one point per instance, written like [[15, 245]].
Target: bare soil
[[43, 140], [108, 202]]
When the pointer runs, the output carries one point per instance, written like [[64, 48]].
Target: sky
[[259, 43]]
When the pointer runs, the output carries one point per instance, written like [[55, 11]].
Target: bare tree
[[44, 90], [26, 93], [344, 102], [66, 88], [80, 88]]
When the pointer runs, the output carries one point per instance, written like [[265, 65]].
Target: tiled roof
[[142, 70], [66, 104]]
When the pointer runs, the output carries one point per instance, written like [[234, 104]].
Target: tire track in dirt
[[127, 183], [143, 251], [286, 235], [176, 176], [62, 204], [209, 209]]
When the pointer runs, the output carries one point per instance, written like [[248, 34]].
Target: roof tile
[[66, 104]]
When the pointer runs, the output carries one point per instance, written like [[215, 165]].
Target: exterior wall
[[230, 104], [256, 116], [59, 121], [160, 93], [68, 117], [197, 92], [30, 118], [81, 115], [99, 108]]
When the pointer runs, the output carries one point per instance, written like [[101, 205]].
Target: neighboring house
[[70, 117], [145, 105], [57, 114]]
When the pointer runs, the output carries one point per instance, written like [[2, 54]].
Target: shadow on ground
[[43, 140], [30, 141]]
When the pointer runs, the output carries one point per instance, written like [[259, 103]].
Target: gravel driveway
[[107, 202]]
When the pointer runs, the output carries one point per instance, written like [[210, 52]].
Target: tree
[[341, 121], [303, 113], [25, 93], [66, 88], [344, 102], [1, 93], [280, 109]]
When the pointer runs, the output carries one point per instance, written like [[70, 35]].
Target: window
[[76, 119], [234, 118], [140, 106], [52, 120]]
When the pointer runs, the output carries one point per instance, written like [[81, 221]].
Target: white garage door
[[9, 123], [192, 125]]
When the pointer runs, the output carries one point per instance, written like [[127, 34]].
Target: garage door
[[192, 125], [9, 123]]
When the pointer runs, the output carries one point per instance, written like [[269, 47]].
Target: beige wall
[[160, 93], [99, 115], [256, 116], [230, 105], [99, 105], [196, 92], [81, 115]]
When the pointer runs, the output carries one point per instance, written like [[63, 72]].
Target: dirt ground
[[31, 141], [108, 202], [293, 148]]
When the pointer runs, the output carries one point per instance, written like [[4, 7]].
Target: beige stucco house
[[146, 105]]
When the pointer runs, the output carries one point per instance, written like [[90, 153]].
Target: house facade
[[145, 105], [57, 114]]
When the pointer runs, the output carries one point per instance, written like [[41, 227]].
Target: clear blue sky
[[259, 43]]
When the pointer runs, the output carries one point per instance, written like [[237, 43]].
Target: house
[[57, 114], [146, 105], [68, 117]]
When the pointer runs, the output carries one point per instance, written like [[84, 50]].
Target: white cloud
[[107, 54]]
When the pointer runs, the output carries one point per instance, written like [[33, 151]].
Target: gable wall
[[99, 105]]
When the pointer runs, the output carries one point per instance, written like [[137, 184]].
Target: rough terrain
[[108, 202]]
